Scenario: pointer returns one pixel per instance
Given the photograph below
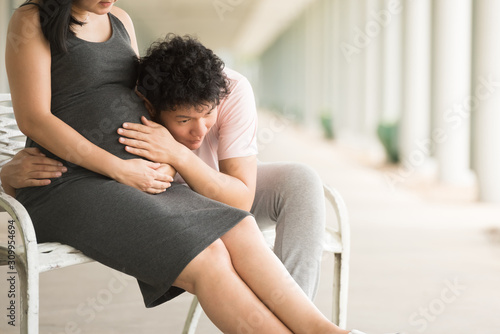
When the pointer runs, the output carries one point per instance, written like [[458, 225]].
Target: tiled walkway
[[425, 259]]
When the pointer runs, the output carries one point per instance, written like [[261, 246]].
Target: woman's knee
[[211, 263], [246, 229]]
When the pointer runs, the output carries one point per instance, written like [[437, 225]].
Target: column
[[354, 49], [374, 29], [327, 62], [314, 66], [486, 97], [452, 25], [414, 132], [334, 96], [390, 18], [343, 56]]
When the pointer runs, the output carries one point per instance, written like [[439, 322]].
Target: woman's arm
[[28, 62]]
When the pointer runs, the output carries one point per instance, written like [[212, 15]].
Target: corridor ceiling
[[243, 27]]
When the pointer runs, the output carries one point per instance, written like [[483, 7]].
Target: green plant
[[388, 135], [326, 120]]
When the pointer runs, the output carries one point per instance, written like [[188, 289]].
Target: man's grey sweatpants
[[290, 197]]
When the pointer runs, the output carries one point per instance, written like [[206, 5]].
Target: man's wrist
[[181, 157]]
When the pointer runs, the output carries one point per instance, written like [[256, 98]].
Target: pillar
[[390, 17], [486, 97], [374, 29], [353, 47], [414, 134], [452, 24]]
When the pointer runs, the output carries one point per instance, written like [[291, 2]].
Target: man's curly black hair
[[181, 72]]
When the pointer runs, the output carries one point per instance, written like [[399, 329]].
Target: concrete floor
[[425, 257]]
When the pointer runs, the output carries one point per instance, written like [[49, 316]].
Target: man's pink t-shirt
[[234, 134]]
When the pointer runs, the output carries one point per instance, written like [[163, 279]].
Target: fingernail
[[120, 130], [64, 169], [125, 125]]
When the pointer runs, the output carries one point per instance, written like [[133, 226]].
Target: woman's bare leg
[[225, 298], [266, 276]]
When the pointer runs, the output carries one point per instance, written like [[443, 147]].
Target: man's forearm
[[213, 184]]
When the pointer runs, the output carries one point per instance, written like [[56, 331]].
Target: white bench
[[32, 258]]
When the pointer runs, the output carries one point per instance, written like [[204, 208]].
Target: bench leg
[[193, 317], [29, 300], [336, 289], [343, 270]]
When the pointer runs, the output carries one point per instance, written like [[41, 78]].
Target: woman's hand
[[167, 169], [143, 175], [29, 168], [151, 141]]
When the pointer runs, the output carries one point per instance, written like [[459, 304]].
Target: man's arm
[[236, 182], [234, 185]]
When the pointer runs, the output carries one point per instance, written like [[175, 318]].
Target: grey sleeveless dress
[[151, 237]]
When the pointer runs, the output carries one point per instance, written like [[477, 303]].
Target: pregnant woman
[[71, 73]]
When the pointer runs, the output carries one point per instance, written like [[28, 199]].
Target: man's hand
[[151, 141], [29, 168]]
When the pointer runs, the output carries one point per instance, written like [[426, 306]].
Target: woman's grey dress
[[151, 237]]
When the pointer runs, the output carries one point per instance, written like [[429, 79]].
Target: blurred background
[[396, 103], [421, 78]]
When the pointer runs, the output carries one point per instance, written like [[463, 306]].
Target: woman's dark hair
[[56, 21], [179, 71]]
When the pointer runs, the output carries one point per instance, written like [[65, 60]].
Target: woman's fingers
[[164, 178], [161, 181], [158, 187]]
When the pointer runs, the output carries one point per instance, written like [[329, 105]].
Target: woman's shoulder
[[122, 16], [125, 19], [28, 12], [25, 23]]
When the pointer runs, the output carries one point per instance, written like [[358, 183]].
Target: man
[[205, 125]]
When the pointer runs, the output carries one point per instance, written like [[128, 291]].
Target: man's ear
[[149, 106]]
